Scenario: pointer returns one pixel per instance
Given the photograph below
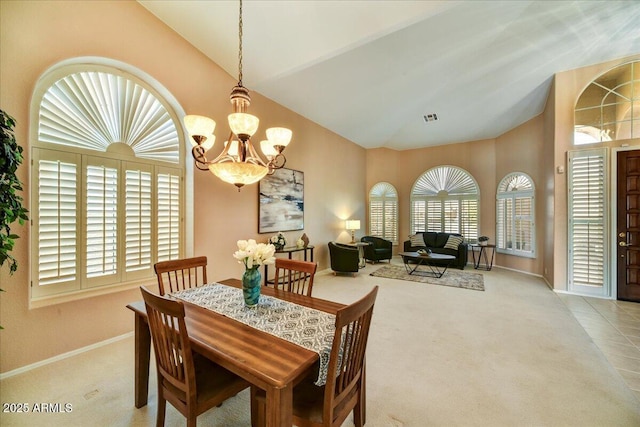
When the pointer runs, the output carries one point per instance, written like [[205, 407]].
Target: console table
[[289, 251], [483, 262]]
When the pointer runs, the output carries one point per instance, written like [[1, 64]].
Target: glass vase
[[251, 286]]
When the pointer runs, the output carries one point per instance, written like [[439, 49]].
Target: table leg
[[142, 353], [279, 407]]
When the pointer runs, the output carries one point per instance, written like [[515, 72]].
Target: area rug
[[453, 278]]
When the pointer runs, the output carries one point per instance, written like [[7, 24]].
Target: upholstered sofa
[[378, 249], [437, 242], [344, 258]]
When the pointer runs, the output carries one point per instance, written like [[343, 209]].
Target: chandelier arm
[[253, 155], [201, 161], [277, 162]]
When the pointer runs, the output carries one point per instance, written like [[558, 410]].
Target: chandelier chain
[[240, 46]]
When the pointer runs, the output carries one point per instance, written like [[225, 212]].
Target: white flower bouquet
[[278, 240], [253, 254]]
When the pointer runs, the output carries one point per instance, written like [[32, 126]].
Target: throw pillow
[[453, 242], [417, 241]]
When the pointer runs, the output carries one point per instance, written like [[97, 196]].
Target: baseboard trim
[[64, 356]]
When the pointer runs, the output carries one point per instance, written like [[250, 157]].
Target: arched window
[[446, 198], [515, 215], [107, 180], [609, 108], [383, 211]]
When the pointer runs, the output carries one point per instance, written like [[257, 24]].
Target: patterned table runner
[[304, 326]]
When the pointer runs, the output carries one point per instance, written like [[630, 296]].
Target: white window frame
[[167, 156], [446, 199], [383, 212], [624, 97], [588, 225], [514, 188]]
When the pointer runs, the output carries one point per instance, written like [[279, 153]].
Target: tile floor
[[614, 326]]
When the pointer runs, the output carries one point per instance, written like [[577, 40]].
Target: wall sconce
[[353, 225]]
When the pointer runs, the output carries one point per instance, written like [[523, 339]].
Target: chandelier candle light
[[239, 163]]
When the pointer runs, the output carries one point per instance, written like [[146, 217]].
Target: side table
[[360, 245], [289, 251], [484, 260]]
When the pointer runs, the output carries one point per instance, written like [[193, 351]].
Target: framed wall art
[[281, 201]]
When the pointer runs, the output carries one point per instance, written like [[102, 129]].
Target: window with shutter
[[383, 211], [587, 222], [57, 227], [109, 202], [515, 215], [445, 199], [138, 218]]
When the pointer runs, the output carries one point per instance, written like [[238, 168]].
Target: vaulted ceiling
[[371, 70]]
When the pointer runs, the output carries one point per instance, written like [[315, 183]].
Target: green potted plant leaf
[[11, 208]]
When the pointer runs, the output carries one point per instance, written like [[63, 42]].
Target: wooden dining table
[[264, 360]]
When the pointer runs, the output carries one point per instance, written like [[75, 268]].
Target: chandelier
[[239, 163]]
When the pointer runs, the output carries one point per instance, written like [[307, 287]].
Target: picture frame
[[281, 200]]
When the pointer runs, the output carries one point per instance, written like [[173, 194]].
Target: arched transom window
[[515, 215], [383, 211], [609, 108], [446, 199], [107, 180]]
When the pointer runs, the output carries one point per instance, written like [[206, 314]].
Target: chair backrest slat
[[170, 341], [180, 274], [352, 332], [295, 276]]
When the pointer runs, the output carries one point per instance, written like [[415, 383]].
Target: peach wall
[[36, 35], [521, 150]]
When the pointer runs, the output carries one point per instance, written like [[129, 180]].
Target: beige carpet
[[437, 356], [453, 278]]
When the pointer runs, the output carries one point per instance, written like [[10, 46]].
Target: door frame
[[613, 202]]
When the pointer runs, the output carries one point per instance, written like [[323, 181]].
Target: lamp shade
[[243, 124], [267, 149], [279, 136], [238, 173], [353, 224], [199, 125]]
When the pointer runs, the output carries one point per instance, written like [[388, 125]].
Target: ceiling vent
[[430, 117]]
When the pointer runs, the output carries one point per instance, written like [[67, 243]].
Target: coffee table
[[427, 260]]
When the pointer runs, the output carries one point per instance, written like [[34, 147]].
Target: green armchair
[[344, 259], [378, 249]]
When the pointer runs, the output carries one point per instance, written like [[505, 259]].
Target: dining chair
[[329, 405], [295, 276], [190, 382], [179, 274]]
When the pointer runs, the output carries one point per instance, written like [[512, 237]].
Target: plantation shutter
[[434, 215], [169, 214], [587, 221], [469, 219], [523, 223], [56, 222], [101, 219], [390, 221], [383, 211], [418, 216], [376, 217], [138, 219], [452, 216], [451, 197]]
